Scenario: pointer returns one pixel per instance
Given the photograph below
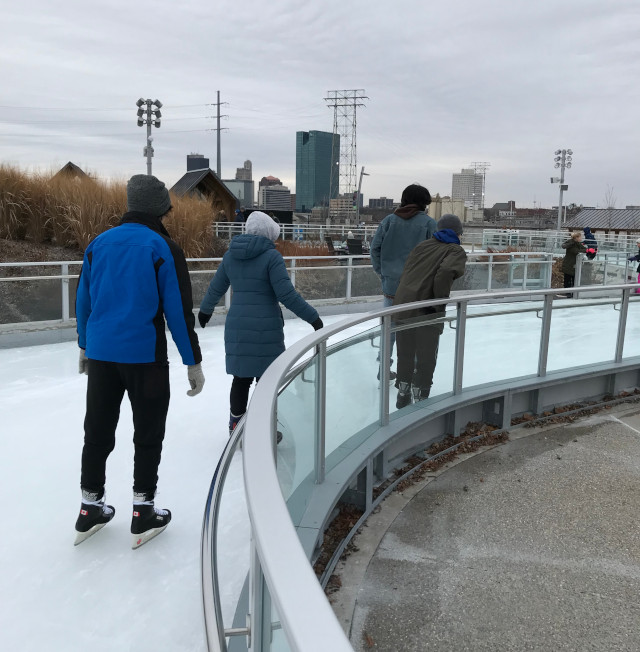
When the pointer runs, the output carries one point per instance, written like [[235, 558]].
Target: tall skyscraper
[[468, 186], [315, 185], [244, 173]]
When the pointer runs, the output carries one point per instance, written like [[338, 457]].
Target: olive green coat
[[569, 261]]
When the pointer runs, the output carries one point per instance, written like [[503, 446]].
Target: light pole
[[362, 174], [149, 116], [562, 160]]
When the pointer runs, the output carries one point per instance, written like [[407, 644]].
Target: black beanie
[[146, 194], [450, 221]]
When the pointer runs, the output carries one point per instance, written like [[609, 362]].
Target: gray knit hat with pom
[[146, 194], [450, 221]]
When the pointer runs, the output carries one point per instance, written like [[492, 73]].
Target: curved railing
[[343, 435]]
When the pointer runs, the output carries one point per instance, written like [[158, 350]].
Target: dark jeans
[[569, 280], [148, 388], [239, 396], [417, 355]]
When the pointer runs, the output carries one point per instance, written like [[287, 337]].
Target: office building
[[244, 173], [317, 154], [274, 197], [381, 202], [468, 185]]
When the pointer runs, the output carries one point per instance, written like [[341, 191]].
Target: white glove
[[83, 363], [196, 379]]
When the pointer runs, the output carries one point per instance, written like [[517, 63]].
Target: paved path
[[533, 545]]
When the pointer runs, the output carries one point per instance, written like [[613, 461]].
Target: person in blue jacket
[[253, 333], [133, 278], [395, 239]]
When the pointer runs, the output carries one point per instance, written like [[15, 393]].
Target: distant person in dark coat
[[590, 243], [637, 259], [239, 218], [573, 247], [253, 333], [429, 273]]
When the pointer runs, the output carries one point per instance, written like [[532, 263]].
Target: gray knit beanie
[[259, 223], [450, 221], [146, 194]]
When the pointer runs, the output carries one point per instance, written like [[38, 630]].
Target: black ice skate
[[94, 515], [147, 521]]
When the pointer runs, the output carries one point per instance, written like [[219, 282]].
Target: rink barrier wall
[[283, 603]]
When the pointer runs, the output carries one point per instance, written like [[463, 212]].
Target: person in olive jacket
[[253, 333], [573, 247], [429, 273]]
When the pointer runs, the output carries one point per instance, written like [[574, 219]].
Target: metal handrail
[[305, 614]]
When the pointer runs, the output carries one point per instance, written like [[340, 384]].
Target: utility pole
[[219, 129], [149, 116]]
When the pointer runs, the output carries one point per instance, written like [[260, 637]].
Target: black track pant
[[239, 396], [148, 388], [569, 280], [418, 350]]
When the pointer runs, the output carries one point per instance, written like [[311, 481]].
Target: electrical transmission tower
[[345, 104], [481, 167]]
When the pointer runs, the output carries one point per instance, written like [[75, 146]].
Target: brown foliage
[[70, 212]]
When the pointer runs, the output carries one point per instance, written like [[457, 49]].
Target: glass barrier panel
[[425, 357], [353, 394], [496, 348], [296, 410], [25, 301], [582, 334], [632, 331], [201, 274], [278, 640], [502, 272], [364, 281], [73, 287], [233, 549], [322, 283]]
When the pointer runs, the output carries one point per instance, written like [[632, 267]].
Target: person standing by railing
[[396, 237], [637, 259], [573, 246], [133, 276], [429, 273], [254, 329]]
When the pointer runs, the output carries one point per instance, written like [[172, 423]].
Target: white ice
[[104, 596]]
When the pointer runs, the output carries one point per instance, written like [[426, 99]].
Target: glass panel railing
[[364, 282], [426, 358], [632, 329], [296, 412], [495, 346], [582, 334], [233, 552], [278, 641], [315, 284], [347, 416]]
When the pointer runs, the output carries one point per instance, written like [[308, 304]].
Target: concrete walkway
[[532, 545]]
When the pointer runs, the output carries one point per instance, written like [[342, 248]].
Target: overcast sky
[[448, 82]]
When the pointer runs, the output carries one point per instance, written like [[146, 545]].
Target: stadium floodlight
[[150, 115], [561, 160]]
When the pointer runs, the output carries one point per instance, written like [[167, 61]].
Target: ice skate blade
[[138, 540], [83, 536]]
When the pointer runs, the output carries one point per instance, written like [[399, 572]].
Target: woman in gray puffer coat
[[253, 332]]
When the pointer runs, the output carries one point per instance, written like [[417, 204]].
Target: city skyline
[[507, 83]]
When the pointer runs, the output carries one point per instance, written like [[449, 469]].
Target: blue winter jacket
[[394, 240], [253, 334], [133, 276]]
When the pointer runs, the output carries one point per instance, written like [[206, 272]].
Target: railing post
[[578, 275], [227, 299], [385, 349], [545, 332], [622, 324], [256, 620], [349, 276], [524, 272], [549, 270], [461, 323], [320, 411], [292, 272], [510, 271], [65, 292], [604, 271], [490, 274]]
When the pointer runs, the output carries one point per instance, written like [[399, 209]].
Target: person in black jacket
[[133, 277], [590, 243]]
